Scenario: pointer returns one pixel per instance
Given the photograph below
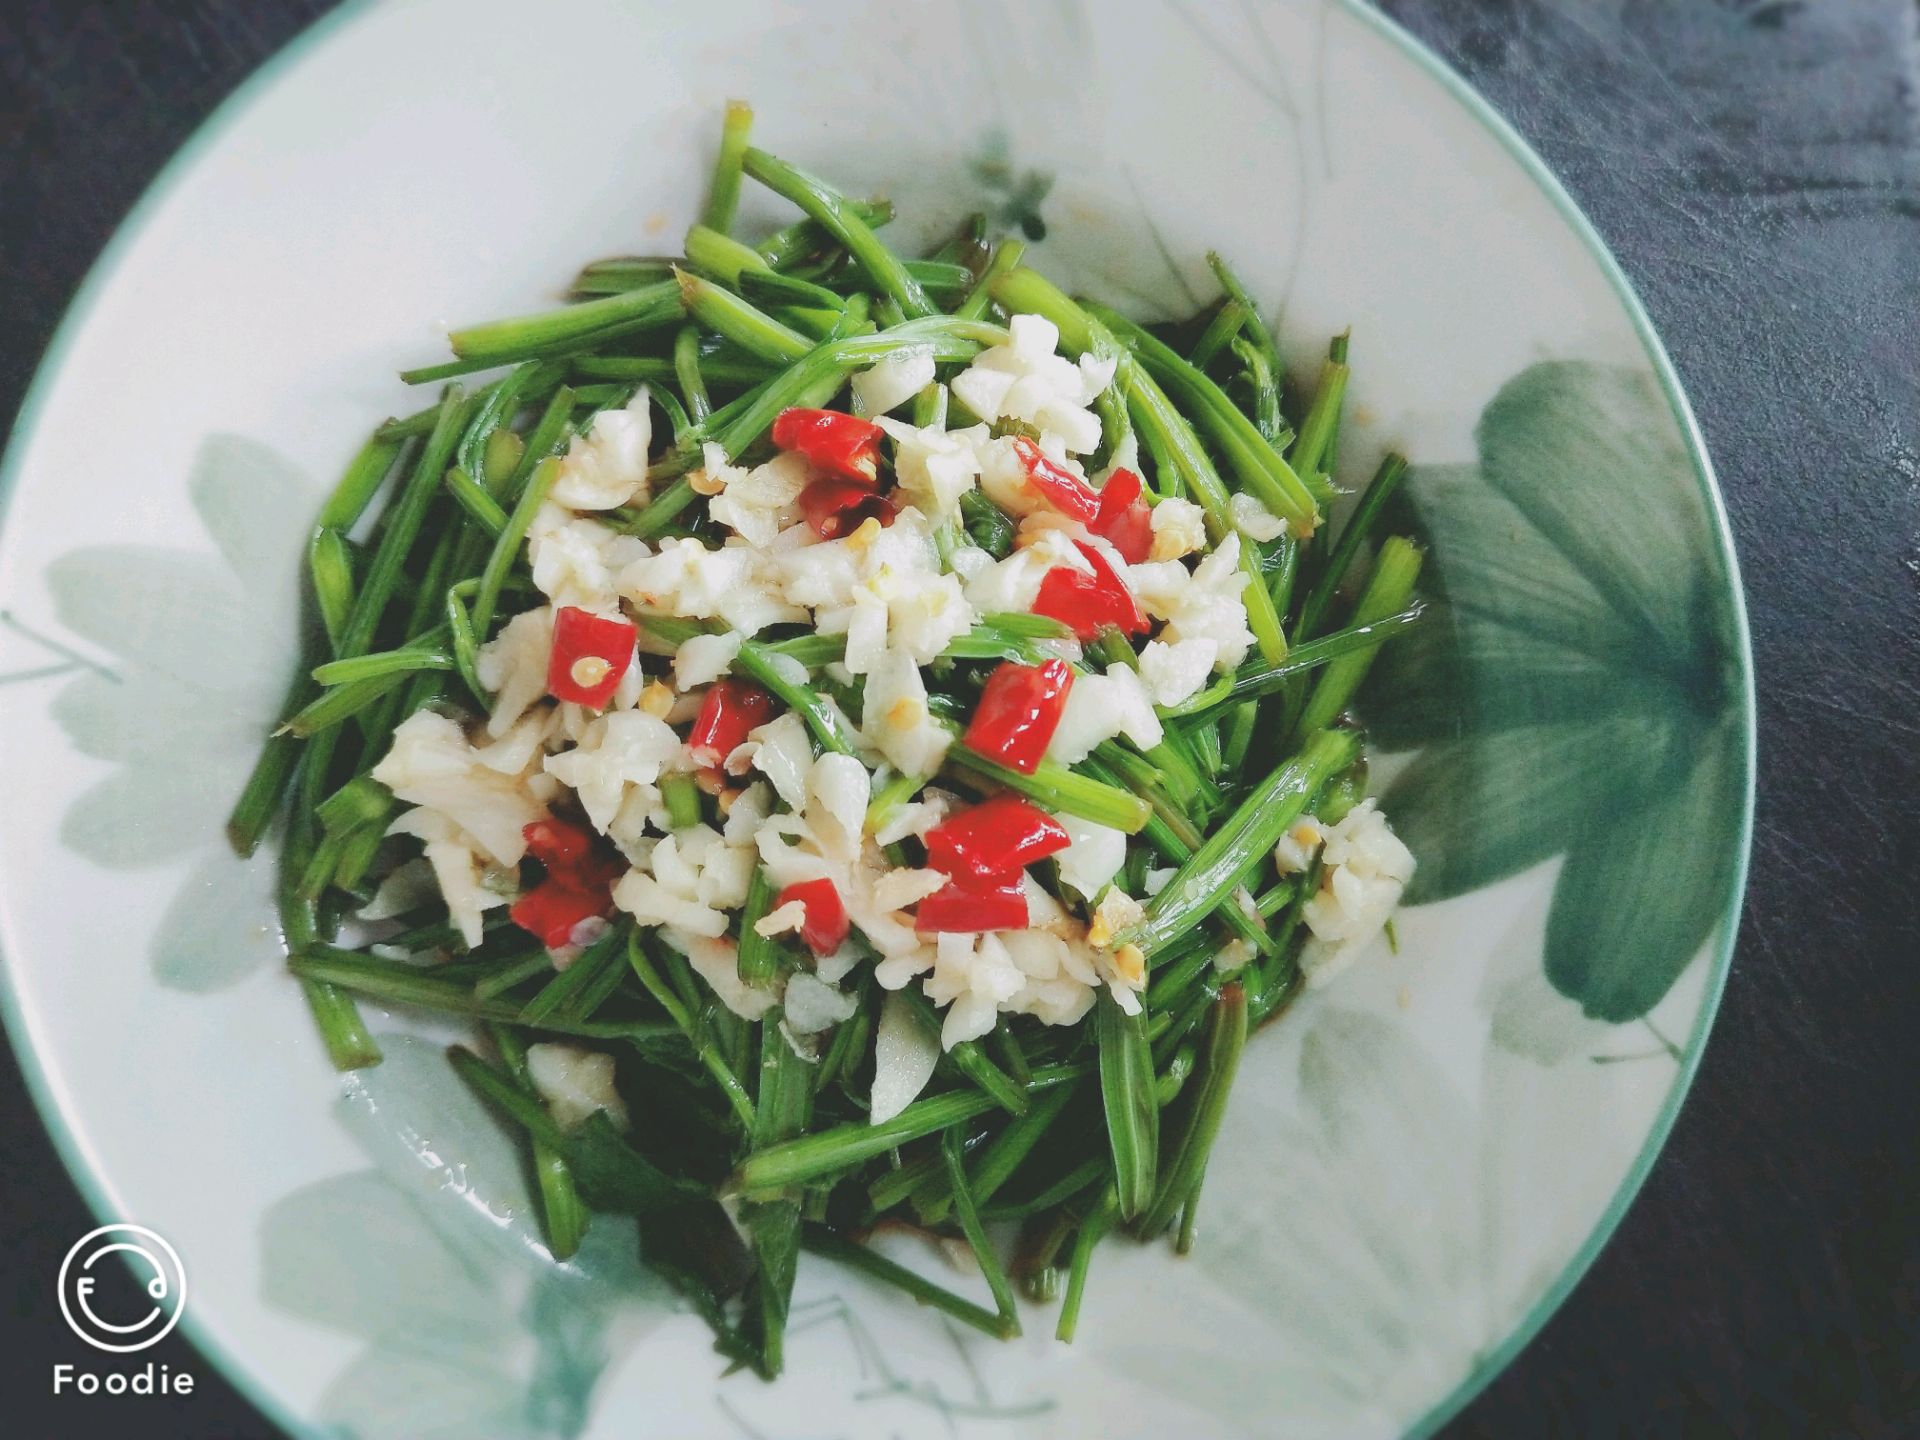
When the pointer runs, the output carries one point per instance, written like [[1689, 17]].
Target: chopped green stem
[[969, 1217], [842, 220], [364, 477], [565, 1213], [725, 313], [620, 273], [1082, 1177], [1218, 1062], [564, 996], [1309, 452], [1226, 323], [686, 371], [1241, 842], [330, 567], [827, 1152], [573, 327], [517, 970], [969, 1061], [682, 797], [474, 499], [1263, 382], [871, 1263], [350, 1045], [1255, 680], [1059, 789], [723, 193], [1366, 514], [655, 369], [340, 703], [1260, 468], [402, 527], [758, 960], [399, 983], [506, 547], [1127, 1094], [1092, 1231], [1389, 588], [1006, 258]]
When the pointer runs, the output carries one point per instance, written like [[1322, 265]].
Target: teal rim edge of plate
[[224, 115]]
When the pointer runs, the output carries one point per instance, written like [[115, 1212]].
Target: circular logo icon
[[122, 1288]]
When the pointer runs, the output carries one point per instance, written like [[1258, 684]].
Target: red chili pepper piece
[[843, 445], [1018, 713], [1000, 835], [967, 907], [730, 710], [552, 908], [826, 926], [558, 844], [1086, 602], [1058, 486], [578, 884], [590, 656], [838, 507], [1124, 520]]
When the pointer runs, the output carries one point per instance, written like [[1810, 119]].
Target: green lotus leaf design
[[1575, 690]]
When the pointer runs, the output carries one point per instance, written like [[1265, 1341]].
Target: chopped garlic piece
[[1116, 912], [904, 1056], [607, 467], [576, 1083], [785, 920], [1254, 520], [432, 765], [758, 504], [893, 381], [1294, 852], [513, 667], [704, 658], [1365, 868], [1179, 528]]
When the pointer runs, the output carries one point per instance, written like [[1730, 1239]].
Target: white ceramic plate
[[1420, 1161]]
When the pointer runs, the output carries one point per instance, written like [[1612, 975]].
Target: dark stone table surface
[[1755, 165]]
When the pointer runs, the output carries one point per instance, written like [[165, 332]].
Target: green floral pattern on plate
[[1572, 692]]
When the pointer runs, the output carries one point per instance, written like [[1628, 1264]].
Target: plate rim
[[223, 118]]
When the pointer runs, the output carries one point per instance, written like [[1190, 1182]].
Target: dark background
[[1755, 165]]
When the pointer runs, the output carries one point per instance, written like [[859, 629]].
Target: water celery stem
[[1366, 514], [1256, 679], [572, 327], [1127, 1095], [507, 545], [976, 1234], [726, 314], [723, 192], [1321, 423], [1388, 590], [402, 527], [565, 1213], [1225, 1038], [828, 1152], [838, 215], [1240, 842], [1092, 1231], [871, 1263], [1060, 789]]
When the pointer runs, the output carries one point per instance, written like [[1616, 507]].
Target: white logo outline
[[90, 1327]]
